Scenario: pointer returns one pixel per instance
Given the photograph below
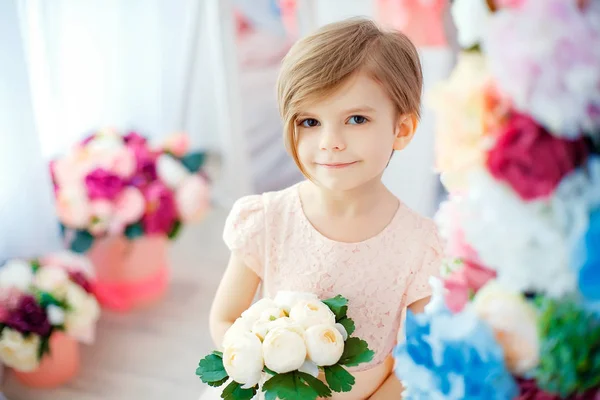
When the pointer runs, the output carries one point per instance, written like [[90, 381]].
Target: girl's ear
[[405, 130]]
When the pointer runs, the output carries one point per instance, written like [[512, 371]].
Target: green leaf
[[46, 299], [218, 353], [134, 230], [35, 265], [82, 242], [338, 305], [268, 371], [193, 161], [175, 229], [218, 383], [234, 391], [44, 346], [294, 386], [356, 351], [339, 379], [348, 324], [211, 370]]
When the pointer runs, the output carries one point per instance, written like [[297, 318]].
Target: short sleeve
[[244, 232], [419, 288]]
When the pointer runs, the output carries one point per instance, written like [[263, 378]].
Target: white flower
[[192, 198], [312, 312], [524, 242], [53, 280], [83, 313], [287, 299], [170, 171], [325, 344], [252, 314], [56, 315], [243, 359], [239, 328], [71, 261], [309, 367], [284, 350], [19, 352], [471, 19], [16, 274], [342, 330], [266, 321], [105, 140], [514, 322]]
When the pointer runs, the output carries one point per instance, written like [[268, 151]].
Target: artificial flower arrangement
[[517, 314], [281, 345], [43, 299], [112, 184]]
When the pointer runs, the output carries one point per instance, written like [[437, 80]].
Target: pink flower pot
[[56, 368], [130, 274]]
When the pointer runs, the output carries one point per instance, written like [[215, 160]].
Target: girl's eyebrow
[[358, 110]]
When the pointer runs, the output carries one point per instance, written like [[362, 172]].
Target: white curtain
[[28, 227], [150, 65]]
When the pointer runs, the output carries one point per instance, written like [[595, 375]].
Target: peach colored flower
[[102, 215], [177, 144], [73, 207], [129, 206], [122, 162], [193, 198]]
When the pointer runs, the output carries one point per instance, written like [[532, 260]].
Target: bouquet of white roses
[[282, 345]]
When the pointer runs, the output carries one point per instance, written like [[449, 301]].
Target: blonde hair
[[319, 64]]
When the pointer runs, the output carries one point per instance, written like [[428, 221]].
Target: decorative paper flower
[[471, 18], [525, 242], [569, 338], [19, 351], [586, 260], [16, 274], [29, 317], [532, 161], [464, 282], [545, 56], [161, 212], [514, 321], [468, 109], [452, 356]]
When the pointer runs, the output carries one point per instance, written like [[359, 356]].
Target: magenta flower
[[29, 317], [145, 160], [103, 184], [79, 278], [161, 211], [134, 139]]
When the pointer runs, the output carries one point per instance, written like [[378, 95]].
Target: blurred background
[[204, 67]]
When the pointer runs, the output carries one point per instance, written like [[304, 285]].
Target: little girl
[[349, 97]]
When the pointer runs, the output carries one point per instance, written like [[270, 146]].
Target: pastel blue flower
[[452, 356], [586, 260]]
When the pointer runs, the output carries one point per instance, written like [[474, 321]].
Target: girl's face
[[346, 140]]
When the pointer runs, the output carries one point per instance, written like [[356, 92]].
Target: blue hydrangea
[[586, 261], [452, 356]]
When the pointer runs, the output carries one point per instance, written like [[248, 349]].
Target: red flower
[[464, 282], [531, 160]]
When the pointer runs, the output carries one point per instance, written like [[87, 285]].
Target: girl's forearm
[[391, 389]]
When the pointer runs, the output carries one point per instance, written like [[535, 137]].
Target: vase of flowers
[[121, 199], [47, 306]]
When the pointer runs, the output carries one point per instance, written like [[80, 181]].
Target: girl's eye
[[309, 123], [357, 120]]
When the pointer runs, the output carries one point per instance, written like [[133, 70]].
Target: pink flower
[[123, 162], [145, 171], [72, 206], [129, 206], [134, 139], [177, 144], [103, 184], [465, 282], [161, 212], [545, 56], [508, 3], [70, 261], [531, 160], [102, 216], [192, 198]]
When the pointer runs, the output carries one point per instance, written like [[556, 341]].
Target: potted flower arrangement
[[120, 199], [47, 306]]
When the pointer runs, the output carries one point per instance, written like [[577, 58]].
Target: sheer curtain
[[150, 65], [28, 227]]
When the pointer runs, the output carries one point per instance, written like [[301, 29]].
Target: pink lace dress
[[379, 276]]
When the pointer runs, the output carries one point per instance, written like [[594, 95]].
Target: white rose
[[243, 359], [83, 313], [170, 171], [471, 18], [252, 314], [324, 344], [16, 274], [284, 350], [19, 352], [287, 299], [239, 328], [56, 315], [53, 280], [312, 312], [514, 322]]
